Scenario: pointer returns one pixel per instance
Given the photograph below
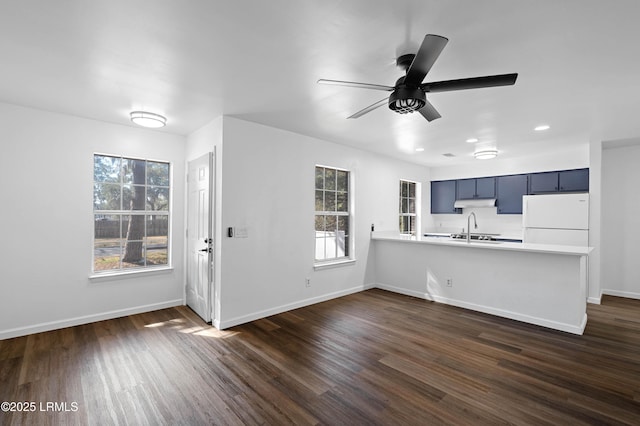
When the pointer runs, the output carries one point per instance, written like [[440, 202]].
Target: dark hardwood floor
[[370, 358]]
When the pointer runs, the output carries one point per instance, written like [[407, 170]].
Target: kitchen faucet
[[475, 225]]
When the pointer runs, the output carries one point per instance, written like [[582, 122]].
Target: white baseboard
[[628, 294], [594, 300], [221, 325], [70, 322], [570, 328], [405, 291]]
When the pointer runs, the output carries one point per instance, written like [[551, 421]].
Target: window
[[332, 217], [408, 203], [131, 214]]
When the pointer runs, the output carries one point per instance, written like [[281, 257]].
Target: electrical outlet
[[449, 282], [307, 282]]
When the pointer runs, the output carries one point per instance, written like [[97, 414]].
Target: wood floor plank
[[370, 358]]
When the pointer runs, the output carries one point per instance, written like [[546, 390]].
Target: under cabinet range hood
[[474, 203]]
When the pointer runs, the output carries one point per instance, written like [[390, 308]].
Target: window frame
[[348, 214], [408, 214], [124, 213]]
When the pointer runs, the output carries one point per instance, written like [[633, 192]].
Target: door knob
[[208, 250]]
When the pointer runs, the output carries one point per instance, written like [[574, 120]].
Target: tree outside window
[[131, 213]]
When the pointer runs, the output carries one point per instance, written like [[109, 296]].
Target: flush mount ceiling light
[[419, 149], [148, 119], [472, 140], [541, 127], [486, 154]]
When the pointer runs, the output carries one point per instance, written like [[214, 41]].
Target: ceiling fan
[[409, 93]]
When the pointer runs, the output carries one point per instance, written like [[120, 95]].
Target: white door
[[200, 236]]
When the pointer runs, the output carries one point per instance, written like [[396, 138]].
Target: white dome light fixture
[[486, 154], [148, 119]]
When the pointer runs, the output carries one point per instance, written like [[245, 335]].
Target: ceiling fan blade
[[370, 108], [429, 51], [470, 83], [355, 84], [429, 112]]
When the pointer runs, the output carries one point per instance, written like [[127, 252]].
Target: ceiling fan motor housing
[[406, 99]]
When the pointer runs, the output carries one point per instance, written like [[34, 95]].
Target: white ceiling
[[578, 63]]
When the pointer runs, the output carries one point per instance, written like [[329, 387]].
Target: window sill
[[108, 276], [333, 264]]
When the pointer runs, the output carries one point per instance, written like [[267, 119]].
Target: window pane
[[320, 224], [157, 226], [343, 224], [106, 196], [330, 179], [404, 206], [134, 254], [157, 251], [106, 169], [412, 206], [342, 202], [107, 243], [134, 197], [133, 171], [331, 224], [342, 181], [157, 198], [157, 173], [330, 201], [411, 189], [319, 177], [319, 201], [404, 191]]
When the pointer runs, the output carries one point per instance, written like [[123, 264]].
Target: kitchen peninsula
[[535, 283]]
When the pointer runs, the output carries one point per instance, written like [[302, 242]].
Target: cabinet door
[[466, 189], [543, 182], [486, 187], [574, 180], [510, 191], [443, 196]]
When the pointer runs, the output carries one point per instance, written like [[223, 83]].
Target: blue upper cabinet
[[466, 189], [510, 192], [476, 188], [559, 181], [443, 196], [574, 180], [486, 187]]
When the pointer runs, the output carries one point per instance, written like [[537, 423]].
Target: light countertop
[[490, 245]]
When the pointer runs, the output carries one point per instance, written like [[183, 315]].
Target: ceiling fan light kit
[[409, 93]]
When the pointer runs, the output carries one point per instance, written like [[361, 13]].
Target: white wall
[[620, 251], [46, 173], [268, 181]]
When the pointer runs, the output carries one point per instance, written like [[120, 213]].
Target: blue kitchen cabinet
[[573, 180], [476, 188], [443, 196], [540, 183], [559, 181], [510, 190]]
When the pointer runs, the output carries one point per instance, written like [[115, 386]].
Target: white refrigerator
[[556, 219]]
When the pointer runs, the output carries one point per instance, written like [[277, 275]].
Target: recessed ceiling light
[[486, 154], [419, 149], [472, 140], [541, 127], [148, 119]]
